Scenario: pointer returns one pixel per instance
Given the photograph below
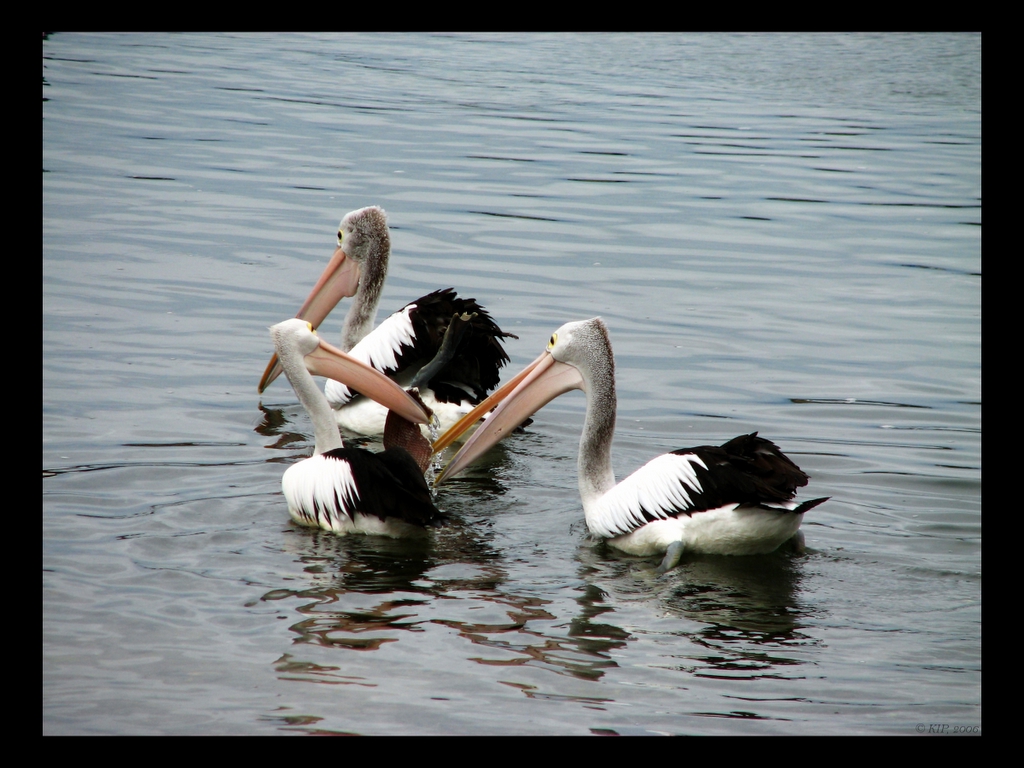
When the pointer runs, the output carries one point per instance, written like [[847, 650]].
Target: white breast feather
[[379, 349], [311, 486], [659, 487]]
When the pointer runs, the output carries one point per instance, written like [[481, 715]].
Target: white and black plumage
[[736, 499], [350, 490], [407, 340]]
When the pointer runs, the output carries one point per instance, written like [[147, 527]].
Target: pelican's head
[[363, 234], [295, 340], [573, 352], [583, 344], [360, 260]]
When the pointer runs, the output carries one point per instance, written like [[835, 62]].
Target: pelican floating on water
[[736, 499], [407, 340], [350, 490]]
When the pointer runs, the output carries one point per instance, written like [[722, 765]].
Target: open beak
[[339, 279], [329, 361], [530, 390]]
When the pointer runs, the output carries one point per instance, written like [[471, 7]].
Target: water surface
[[783, 234]]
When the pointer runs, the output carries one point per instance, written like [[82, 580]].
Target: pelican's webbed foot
[[798, 543], [671, 559]]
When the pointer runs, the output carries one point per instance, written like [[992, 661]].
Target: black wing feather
[[479, 357], [747, 470], [474, 369], [391, 485]]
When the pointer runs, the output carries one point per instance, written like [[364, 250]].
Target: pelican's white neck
[[593, 358], [596, 476], [290, 353], [363, 312]]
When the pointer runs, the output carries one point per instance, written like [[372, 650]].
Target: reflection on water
[[743, 615], [518, 629]]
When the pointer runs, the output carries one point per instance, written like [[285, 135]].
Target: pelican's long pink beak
[[329, 361], [339, 280], [526, 393]]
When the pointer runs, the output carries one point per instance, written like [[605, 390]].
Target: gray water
[[783, 234]]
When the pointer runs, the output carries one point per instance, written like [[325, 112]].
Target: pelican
[[350, 490], [736, 499], [406, 341]]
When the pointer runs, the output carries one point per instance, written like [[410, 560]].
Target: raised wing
[[411, 337]]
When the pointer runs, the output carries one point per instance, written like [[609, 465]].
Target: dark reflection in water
[[342, 566], [273, 425], [756, 594], [747, 608], [748, 611]]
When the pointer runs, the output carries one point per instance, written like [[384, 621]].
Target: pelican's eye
[[341, 236], [554, 338], [311, 328]]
